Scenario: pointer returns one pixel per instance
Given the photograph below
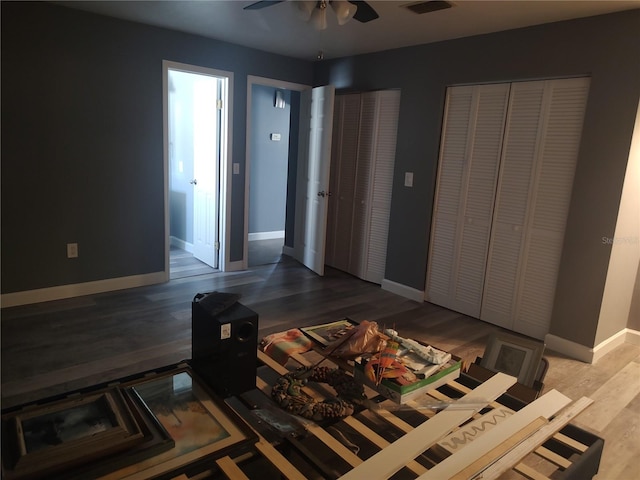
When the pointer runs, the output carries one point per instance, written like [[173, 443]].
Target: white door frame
[[269, 82], [225, 160]]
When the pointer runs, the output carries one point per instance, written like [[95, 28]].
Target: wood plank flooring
[[53, 347]]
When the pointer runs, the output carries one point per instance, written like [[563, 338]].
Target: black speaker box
[[224, 340]]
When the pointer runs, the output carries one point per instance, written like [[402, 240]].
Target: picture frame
[[327, 333], [64, 434], [203, 427], [513, 355]]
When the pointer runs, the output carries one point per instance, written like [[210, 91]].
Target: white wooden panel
[[453, 152], [388, 461], [552, 186], [471, 146], [512, 198], [387, 112], [361, 205], [545, 406]]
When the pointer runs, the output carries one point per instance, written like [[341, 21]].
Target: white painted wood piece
[[545, 406], [390, 460], [537, 439], [473, 430]]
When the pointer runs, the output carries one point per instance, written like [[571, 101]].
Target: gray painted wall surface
[[82, 150], [606, 47], [269, 160]]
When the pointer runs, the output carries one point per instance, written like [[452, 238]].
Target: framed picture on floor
[[327, 333], [202, 426], [514, 355], [61, 435]]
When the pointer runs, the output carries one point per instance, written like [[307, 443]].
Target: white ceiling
[[278, 28]]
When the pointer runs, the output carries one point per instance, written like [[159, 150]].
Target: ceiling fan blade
[[262, 4], [365, 12]]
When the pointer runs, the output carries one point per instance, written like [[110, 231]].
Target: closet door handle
[[324, 194]]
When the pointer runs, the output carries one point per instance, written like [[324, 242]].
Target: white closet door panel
[[484, 149], [344, 180], [441, 248], [388, 110], [449, 186], [361, 205], [553, 181], [498, 301], [472, 142], [519, 153]]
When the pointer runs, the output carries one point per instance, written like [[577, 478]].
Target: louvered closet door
[[364, 165], [541, 148], [471, 145], [381, 183], [342, 184]]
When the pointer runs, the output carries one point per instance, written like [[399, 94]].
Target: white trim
[[266, 235], [287, 251], [591, 354], [225, 162], [269, 82], [79, 289], [403, 290], [632, 337], [179, 243]]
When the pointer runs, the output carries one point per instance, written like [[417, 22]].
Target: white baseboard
[[632, 337], [403, 290], [181, 244], [266, 235], [591, 354], [288, 251], [79, 289]]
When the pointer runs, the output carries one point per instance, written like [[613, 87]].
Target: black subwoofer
[[224, 339]]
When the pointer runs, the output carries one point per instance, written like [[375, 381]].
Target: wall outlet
[[408, 179], [72, 250], [225, 331]]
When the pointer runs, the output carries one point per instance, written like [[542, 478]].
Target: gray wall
[[82, 155], [606, 47], [269, 160]]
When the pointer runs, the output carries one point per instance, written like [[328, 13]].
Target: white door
[[206, 130], [314, 160]]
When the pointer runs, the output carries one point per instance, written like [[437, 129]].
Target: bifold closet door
[[346, 129], [472, 135], [542, 139], [380, 111]]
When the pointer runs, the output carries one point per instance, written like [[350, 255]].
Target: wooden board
[[545, 406], [388, 461]]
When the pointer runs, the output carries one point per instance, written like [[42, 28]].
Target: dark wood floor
[[54, 347]]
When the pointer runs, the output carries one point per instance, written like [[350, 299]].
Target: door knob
[[321, 194], [194, 182]]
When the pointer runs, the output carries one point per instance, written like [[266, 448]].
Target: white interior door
[[206, 136], [314, 160]]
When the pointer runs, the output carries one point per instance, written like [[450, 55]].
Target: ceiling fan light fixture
[[319, 18], [344, 10], [305, 9]]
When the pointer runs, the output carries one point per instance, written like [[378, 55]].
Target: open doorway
[[272, 144], [196, 147]]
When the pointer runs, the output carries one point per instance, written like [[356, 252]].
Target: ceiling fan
[[316, 11]]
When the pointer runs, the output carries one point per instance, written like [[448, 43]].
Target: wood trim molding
[[79, 289], [403, 290], [591, 354]]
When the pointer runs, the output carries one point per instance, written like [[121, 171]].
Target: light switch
[[236, 168], [408, 179], [275, 137]]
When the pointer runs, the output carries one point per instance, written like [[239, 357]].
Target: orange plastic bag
[[365, 338]]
